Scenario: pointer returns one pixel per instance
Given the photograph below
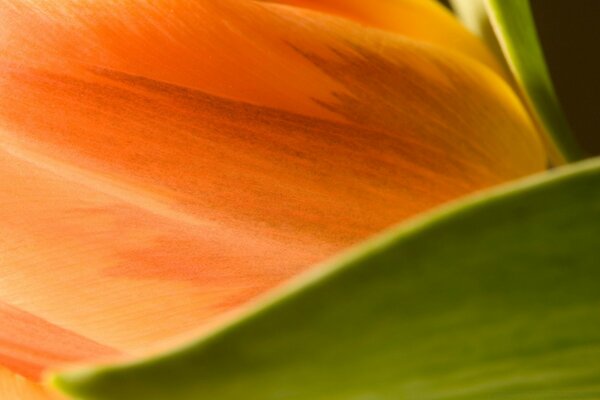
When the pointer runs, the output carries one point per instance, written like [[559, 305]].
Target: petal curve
[[156, 194], [422, 20]]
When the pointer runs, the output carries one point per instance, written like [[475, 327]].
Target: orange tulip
[[163, 163]]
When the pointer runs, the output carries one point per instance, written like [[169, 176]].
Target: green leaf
[[494, 297], [514, 26]]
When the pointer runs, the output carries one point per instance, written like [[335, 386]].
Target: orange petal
[[28, 343], [133, 209], [423, 20], [266, 54]]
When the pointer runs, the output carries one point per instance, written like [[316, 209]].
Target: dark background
[[570, 34]]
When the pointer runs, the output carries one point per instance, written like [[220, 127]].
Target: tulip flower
[[166, 164]]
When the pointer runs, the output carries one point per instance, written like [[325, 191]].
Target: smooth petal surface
[[422, 20], [164, 162], [495, 297]]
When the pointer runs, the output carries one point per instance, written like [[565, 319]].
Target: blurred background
[[570, 34]]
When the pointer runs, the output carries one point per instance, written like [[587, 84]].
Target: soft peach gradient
[[162, 163], [16, 387]]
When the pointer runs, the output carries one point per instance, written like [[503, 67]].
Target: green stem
[[514, 28]]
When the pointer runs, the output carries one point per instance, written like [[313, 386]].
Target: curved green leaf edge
[[514, 25], [493, 297], [508, 28]]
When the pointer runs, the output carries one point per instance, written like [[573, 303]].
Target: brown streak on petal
[[420, 20]]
